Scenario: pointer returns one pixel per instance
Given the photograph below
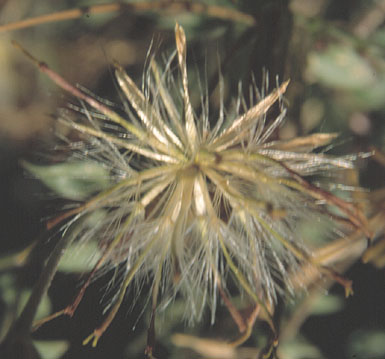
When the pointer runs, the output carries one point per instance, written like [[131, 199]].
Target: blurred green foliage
[[74, 180]]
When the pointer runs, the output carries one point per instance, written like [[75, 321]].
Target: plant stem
[[18, 338]]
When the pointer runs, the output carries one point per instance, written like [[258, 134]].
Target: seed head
[[193, 201]]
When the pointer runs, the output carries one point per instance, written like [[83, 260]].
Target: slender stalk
[[220, 12]]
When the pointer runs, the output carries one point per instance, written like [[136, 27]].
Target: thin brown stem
[[166, 6]]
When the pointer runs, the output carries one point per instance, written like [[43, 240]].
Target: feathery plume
[[192, 201]]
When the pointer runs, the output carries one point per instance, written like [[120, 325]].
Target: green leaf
[[8, 288], [371, 98], [51, 349], [72, 180], [379, 37], [299, 348], [367, 344], [43, 309], [327, 304], [82, 257], [341, 67], [79, 257]]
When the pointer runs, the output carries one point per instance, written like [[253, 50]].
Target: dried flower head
[[191, 201]]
